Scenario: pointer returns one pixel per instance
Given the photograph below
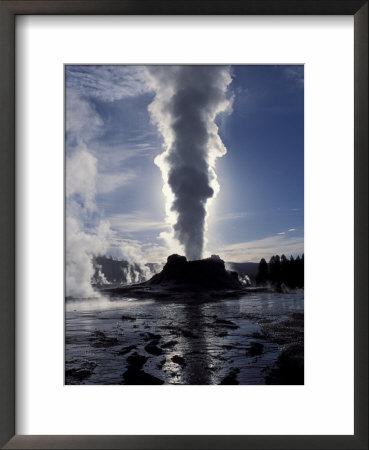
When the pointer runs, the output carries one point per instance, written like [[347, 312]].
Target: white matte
[[325, 404]]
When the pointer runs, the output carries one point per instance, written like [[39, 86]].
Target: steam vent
[[209, 273]]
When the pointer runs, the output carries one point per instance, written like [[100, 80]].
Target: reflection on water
[[222, 342], [197, 367]]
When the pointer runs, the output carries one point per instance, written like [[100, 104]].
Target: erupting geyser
[[187, 101]]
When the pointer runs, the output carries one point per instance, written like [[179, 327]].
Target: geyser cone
[[209, 273]]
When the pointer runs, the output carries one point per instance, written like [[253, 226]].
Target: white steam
[[88, 234], [187, 101]]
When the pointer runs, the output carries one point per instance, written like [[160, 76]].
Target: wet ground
[[255, 339]]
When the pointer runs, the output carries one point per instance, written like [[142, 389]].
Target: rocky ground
[[253, 339]]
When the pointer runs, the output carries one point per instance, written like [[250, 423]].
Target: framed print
[[183, 171], [187, 317]]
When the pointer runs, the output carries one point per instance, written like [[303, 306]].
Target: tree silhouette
[[282, 271], [263, 272], [275, 269]]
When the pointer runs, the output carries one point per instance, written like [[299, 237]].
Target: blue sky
[[112, 179]]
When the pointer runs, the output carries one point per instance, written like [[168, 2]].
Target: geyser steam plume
[[187, 101]]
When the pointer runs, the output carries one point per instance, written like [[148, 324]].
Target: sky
[[115, 203]]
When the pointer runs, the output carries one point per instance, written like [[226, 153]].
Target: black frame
[[8, 10]]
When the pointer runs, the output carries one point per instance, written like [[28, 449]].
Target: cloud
[[81, 172], [230, 216], [134, 251], [136, 221], [109, 182], [156, 253], [262, 248], [83, 123], [107, 83], [290, 230], [295, 74]]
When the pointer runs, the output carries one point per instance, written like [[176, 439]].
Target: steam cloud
[[87, 233], [187, 101]]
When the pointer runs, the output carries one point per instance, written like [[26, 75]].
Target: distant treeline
[[281, 270]]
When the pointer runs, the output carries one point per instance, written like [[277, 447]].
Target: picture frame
[[8, 11]]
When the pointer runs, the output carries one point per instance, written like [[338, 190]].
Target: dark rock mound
[[100, 340], [153, 349], [132, 376], [209, 273], [289, 369], [231, 378], [179, 360], [134, 373], [77, 375], [80, 371], [136, 361]]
